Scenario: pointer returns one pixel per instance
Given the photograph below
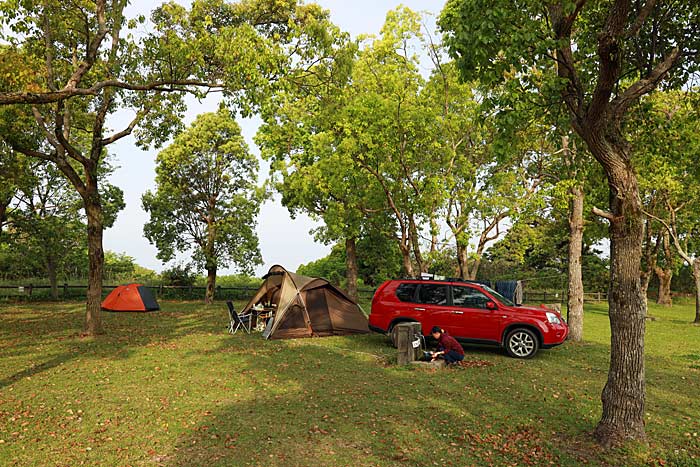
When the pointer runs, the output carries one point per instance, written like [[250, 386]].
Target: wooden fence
[[176, 292], [196, 292], [537, 297]]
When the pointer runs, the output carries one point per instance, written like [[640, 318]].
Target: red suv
[[471, 312]]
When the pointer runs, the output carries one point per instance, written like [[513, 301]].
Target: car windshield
[[498, 296]]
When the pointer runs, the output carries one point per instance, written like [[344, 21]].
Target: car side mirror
[[491, 306]]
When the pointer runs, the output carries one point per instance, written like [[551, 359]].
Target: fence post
[[544, 297], [65, 290], [29, 289]]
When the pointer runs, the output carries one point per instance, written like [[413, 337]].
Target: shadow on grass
[[332, 401], [337, 406], [31, 332], [337, 401]]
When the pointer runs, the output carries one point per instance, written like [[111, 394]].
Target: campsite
[[173, 388], [374, 233]]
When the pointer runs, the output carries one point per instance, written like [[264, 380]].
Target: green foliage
[[536, 250], [377, 257], [179, 274], [234, 280], [331, 267], [206, 198], [118, 266]]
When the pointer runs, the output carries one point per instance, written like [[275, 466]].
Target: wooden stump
[[406, 334]]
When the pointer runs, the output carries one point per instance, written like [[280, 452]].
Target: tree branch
[[66, 93], [643, 86], [644, 13], [605, 214]]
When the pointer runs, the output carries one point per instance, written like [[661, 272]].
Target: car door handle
[[419, 309], [454, 312]]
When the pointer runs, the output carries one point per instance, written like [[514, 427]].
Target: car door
[[476, 320], [433, 304], [406, 305]]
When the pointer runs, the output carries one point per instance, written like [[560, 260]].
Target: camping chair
[[238, 321]]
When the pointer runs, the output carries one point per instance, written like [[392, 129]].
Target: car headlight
[[553, 318]]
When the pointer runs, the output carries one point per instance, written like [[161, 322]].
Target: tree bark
[[211, 284], [575, 290], [406, 259], [462, 261], [93, 209], [351, 267], [624, 393], [51, 272], [665, 274], [415, 243], [650, 249], [3, 213]]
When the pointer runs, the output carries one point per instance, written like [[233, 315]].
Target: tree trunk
[[51, 272], [415, 242], [211, 285], [3, 213], [462, 261], [351, 267], [624, 393], [406, 259], [696, 276], [93, 209], [665, 276], [650, 249], [575, 291], [475, 267], [644, 279]]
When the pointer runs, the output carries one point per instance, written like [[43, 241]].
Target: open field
[[172, 388]]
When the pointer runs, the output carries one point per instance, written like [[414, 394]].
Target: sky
[[283, 240]]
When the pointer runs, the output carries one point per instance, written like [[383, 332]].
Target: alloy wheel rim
[[521, 344]]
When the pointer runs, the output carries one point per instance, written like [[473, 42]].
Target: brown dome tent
[[306, 307]]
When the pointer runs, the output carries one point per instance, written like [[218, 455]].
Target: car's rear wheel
[[522, 343]]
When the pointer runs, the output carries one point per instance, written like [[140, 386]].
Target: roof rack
[[435, 277]]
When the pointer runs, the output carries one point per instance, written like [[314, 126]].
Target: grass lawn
[[173, 388]]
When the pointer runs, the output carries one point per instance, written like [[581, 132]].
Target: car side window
[[432, 294], [406, 292], [468, 297]]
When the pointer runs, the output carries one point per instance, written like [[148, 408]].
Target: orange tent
[[132, 297]]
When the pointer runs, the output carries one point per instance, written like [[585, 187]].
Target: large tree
[[597, 59], [206, 198], [309, 168], [69, 67]]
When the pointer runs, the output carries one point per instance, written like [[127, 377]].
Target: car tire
[[522, 343]]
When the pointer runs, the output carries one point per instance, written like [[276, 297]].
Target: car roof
[[447, 281]]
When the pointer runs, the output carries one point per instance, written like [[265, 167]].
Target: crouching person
[[447, 347]]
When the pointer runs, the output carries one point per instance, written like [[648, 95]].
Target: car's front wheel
[[522, 343]]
